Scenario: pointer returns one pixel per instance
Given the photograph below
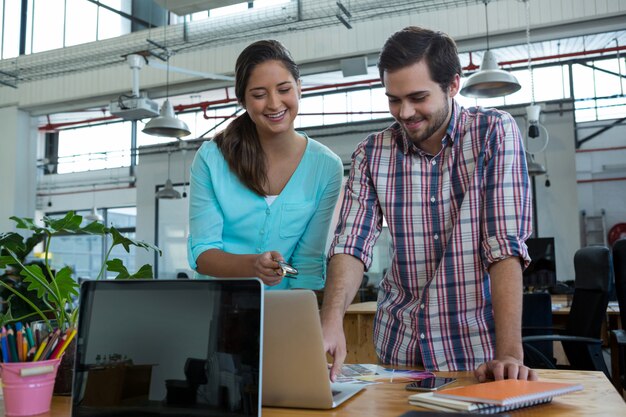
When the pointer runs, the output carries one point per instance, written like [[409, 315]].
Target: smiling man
[[453, 187]]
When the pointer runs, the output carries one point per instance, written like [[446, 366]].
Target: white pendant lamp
[[166, 124], [168, 192], [94, 216], [490, 80]]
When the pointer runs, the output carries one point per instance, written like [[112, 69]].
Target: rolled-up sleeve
[[206, 220], [507, 215], [360, 219]]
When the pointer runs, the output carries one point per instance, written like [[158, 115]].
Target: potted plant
[[50, 294], [37, 291]]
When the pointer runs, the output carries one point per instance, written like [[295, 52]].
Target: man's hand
[[335, 345], [505, 368]]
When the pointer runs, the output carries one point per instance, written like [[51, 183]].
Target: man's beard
[[435, 122]]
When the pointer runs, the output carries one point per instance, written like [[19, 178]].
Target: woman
[[260, 191]]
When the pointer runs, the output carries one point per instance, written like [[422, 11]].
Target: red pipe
[[85, 191], [616, 148], [568, 55], [601, 180], [54, 126]]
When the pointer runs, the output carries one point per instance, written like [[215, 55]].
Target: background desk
[[358, 325], [598, 398]]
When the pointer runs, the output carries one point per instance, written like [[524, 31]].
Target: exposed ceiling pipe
[[204, 105]]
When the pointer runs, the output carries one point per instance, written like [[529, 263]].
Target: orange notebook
[[508, 392]]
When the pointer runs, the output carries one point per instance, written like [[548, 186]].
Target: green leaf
[[11, 240], [65, 284], [7, 260], [36, 279], [68, 224], [94, 228], [116, 265], [119, 239], [143, 272], [26, 223]]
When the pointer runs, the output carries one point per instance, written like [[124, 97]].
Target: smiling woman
[[262, 193]]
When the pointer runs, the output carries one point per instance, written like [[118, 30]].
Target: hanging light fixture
[[168, 192], [94, 216], [535, 129], [166, 124], [490, 80]]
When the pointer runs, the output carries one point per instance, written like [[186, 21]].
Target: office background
[[576, 45]]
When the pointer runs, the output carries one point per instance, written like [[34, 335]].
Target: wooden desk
[[598, 398]]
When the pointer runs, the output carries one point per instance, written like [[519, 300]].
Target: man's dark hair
[[412, 44]]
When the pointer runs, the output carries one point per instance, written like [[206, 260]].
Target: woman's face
[[271, 99]]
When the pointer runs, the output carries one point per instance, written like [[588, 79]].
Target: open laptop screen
[[158, 347]]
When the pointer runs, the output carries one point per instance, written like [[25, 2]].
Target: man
[[453, 186]]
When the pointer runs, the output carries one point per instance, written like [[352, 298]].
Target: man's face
[[419, 104]]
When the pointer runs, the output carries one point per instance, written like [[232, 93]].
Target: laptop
[[169, 347], [295, 370]]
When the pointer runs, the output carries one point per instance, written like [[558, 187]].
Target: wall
[[18, 168], [601, 172]]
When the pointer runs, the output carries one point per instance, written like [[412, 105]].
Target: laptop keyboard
[[353, 370]]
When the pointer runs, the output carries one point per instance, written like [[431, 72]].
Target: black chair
[[537, 321], [618, 337], [581, 336]]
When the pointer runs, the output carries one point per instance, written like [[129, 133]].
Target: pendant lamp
[[166, 124], [168, 192], [490, 80], [94, 216]]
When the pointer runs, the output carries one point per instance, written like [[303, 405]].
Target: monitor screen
[[180, 347], [541, 273]]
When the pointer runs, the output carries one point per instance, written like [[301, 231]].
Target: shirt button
[[433, 199], [261, 231], [422, 336], [433, 162], [267, 211], [422, 306], [436, 236], [258, 250]]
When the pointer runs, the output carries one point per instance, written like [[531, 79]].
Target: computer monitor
[[541, 273]]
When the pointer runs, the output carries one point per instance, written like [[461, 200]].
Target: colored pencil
[[29, 337], [42, 347], [19, 340], [4, 345], [12, 346], [51, 344], [57, 354]]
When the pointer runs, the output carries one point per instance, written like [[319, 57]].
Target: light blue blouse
[[224, 214]]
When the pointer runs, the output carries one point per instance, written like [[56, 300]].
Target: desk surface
[[598, 398]]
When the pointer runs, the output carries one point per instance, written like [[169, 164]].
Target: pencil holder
[[27, 386]]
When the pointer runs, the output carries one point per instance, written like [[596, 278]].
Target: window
[[85, 253]]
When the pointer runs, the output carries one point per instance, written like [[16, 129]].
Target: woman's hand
[[266, 268]]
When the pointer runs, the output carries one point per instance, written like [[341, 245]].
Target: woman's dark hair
[[412, 44], [239, 142]]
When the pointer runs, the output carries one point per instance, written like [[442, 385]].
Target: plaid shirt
[[450, 217]]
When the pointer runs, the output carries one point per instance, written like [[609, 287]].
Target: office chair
[[618, 337], [581, 336], [537, 320]]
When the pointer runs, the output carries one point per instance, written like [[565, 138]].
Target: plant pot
[[65, 373]]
